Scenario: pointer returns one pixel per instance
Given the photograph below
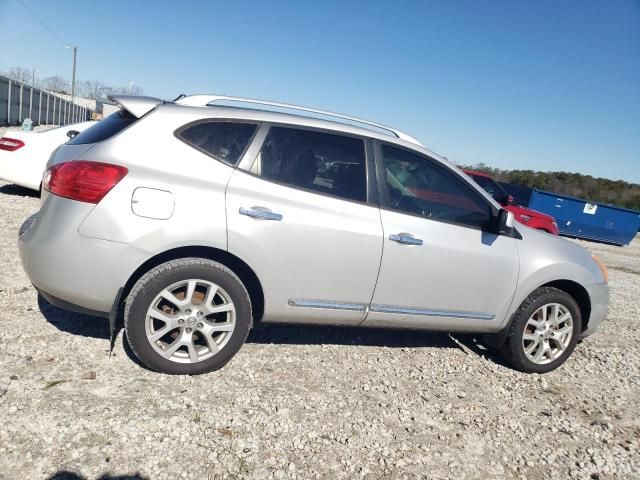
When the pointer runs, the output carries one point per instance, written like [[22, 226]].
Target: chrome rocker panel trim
[[304, 303], [359, 307], [430, 313]]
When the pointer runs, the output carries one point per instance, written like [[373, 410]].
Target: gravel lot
[[307, 402]]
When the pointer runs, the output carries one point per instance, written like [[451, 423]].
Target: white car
[[24, 154]]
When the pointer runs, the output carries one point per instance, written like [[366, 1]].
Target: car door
[[442, 266], [300, 213]]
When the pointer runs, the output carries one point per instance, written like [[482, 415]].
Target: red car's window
[[492, 187]]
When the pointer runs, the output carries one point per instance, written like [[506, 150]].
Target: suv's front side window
[[420, 186], [312, 160]]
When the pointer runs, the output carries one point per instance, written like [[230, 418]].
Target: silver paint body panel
[[331, 251], [325, 260], [456, 269]]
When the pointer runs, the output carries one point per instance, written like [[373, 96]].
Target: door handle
[[260, 213], [405, 238]]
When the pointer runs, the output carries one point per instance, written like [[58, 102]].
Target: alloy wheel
[[190, 321], [547, 333]]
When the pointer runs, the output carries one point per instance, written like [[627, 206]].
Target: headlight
[[603, 269]]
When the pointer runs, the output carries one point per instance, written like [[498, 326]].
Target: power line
[[58, 37]]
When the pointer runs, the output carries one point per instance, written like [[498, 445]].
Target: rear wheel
[[544, 331], [187, 316]]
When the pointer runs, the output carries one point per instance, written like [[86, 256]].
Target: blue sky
[[543, 85]]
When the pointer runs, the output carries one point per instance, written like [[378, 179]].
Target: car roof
[[210, 100], [478, 174], [296, 115]]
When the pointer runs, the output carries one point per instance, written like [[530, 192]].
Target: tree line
[[603, 190], [91, 89]]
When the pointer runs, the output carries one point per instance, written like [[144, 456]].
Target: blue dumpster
[[584, 219]]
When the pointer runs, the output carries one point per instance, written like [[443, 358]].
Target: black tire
[[513, 349], [165, 274]]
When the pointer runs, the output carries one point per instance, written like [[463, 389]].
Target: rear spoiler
[[136, 105]]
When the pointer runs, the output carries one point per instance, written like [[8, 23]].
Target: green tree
[[613, 192]]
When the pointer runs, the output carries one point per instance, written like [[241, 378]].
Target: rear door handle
[[405, 238], [260, 213]]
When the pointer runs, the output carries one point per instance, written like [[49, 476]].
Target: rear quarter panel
[[156, 159]]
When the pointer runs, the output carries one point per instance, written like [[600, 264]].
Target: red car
[[526, 216]]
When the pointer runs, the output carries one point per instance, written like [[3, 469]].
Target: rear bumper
[[58, 302], [70, 270], [599, 296]]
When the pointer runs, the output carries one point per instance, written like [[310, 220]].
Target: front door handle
[[405, 238], [260, 213]]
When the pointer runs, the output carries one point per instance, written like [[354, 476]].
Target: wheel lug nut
[[187, 311], [181, 321], [200, 325], [199, 314], [188, 329]]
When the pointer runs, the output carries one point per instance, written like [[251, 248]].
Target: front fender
[[546, 258]]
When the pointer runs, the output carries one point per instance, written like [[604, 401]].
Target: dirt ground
[[310, 402]]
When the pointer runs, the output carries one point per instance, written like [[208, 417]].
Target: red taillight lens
[[83, 181], [10, 144]]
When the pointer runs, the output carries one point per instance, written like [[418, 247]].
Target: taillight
[[83, 181], [10, 144]]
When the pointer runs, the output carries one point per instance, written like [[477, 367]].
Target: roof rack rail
[[206, 100]]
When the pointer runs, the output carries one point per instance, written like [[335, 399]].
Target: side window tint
[[322, 162], [421, 187], [225, 141]]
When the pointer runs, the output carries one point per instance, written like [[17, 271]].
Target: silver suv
[[201, 216]]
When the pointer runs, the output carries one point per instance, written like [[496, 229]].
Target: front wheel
[[187, 316], [544, 331]]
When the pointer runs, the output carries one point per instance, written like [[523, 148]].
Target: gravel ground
[[307, 402]]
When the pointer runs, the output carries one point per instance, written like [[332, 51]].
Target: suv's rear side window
[[224, 141], [105, 128], [318, 161]]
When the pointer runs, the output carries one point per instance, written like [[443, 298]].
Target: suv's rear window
[[105, 128], [224, 141]]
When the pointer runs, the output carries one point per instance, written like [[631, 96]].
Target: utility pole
[[73, 80], [33, 78]]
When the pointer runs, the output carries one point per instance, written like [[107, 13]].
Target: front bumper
[[70, 270], [599, 296]]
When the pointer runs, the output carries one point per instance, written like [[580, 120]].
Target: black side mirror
[[505, 222], [72, 133]]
